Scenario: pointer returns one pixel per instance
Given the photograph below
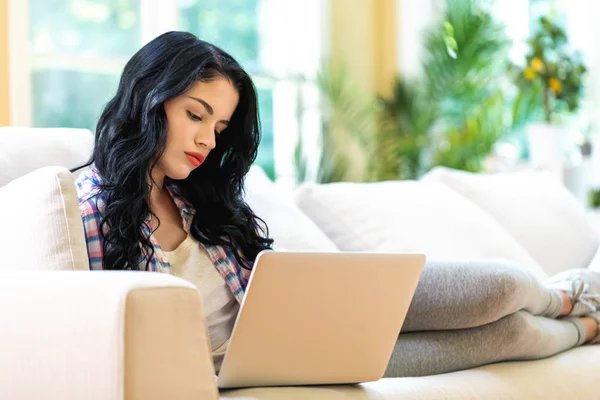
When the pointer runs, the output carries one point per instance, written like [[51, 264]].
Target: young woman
[[164, 193]]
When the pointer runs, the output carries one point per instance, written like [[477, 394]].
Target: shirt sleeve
[[91, 217]]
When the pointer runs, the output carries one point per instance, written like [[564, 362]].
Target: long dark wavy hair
[[131, 138]]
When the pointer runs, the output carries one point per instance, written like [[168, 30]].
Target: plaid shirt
[[91, 205]]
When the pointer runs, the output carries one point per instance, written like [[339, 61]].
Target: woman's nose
[[206, 137]]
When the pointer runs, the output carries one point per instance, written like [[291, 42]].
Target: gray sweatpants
[[467, 314]]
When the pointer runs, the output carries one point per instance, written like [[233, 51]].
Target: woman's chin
[[180, 173]]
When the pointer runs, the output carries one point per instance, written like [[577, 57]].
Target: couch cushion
[[570, 375], [595, 263], [41, 226], [23, 150], [290, 228], [409, 216], [535, 208]]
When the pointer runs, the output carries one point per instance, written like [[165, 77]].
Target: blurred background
[[349, 90]]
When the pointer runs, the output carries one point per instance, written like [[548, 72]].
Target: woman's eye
[[194, 117]]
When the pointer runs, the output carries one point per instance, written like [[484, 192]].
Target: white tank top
[[191, 262]]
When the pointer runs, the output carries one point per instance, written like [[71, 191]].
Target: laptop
[[319, 318]]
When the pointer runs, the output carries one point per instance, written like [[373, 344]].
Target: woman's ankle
[[591, 328], [567, 304]]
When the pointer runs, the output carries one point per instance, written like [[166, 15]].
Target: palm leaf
[[348, 128]]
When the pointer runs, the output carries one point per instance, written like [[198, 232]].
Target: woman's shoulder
[[88, 185]]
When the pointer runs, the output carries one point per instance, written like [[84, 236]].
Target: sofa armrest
[[102, 335]]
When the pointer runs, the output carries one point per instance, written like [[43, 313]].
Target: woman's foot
[[592, 329], [591, 322], [581, 287]]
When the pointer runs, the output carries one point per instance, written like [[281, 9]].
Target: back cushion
[[595, 262], [408, 216], [23, 150], [40, 223], [290, 228], [535, 208]]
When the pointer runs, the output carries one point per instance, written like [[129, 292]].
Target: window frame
[[290, 102]]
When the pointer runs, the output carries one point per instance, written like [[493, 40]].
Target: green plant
[[402, 137], [469, 144], [451, 116], [349, 125], [551, 81], [457, 111], [594, 198], [462, 54]]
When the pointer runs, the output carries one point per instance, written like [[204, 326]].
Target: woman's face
[[194, 119]]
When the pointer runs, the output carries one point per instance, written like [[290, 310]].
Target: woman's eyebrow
[[207, 106], [204, 103]]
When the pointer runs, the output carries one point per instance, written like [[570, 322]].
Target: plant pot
[[576, 178], [548, 145]]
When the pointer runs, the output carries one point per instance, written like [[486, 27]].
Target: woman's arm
[[91, 217]]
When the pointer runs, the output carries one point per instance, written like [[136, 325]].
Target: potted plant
[[550, 89]]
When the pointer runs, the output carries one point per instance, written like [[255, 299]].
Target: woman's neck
[[157, 185]]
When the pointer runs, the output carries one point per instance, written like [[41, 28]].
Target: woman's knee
[[499, 287], [520, 335], [508, 287], [475, 293]]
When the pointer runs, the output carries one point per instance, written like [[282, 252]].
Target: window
[[78, 48]]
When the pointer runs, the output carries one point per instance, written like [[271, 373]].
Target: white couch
[[69, 334]]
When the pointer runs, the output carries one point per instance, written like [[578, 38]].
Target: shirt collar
[[94, 175], [184, 206]]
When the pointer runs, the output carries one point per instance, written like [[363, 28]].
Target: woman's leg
[[458, 295], [520, 336]]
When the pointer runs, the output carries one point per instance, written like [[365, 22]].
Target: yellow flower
[[537, 64], [529, 73], [555, 85]]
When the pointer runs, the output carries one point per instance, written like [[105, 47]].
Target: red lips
[[195, 158]]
